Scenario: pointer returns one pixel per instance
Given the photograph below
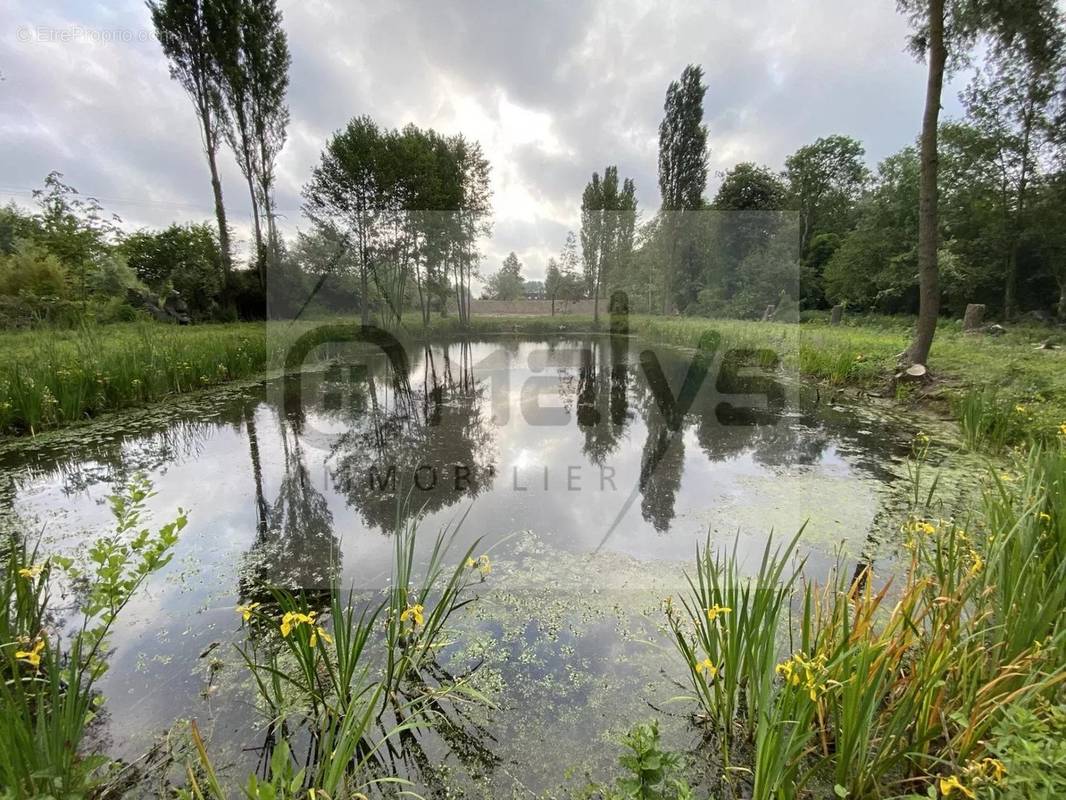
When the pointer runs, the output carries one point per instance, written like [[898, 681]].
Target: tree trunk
[[260, 263], [211, 147], [836, 315], [1062, 301], [928, 283], [971, 320], [1010, 293]]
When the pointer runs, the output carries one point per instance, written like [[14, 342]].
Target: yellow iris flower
[[707, 666], [415, 614], [33, 655], [293, 618], [31, 572], [716, 610], [247, 611], [950, 784]]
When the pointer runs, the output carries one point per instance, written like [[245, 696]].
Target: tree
[[187, 258], [608, 217], [471, 219], [1048, 232], [944, 29], [184, 31], [507, 283], [875, 264], [348, 191], [749, 187], [682, 160], [1011, 107], [75, 229], [825, 180], [252, 52]]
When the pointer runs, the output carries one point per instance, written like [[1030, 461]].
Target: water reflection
[[587, 441]]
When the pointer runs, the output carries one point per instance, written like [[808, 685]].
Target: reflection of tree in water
[[110, 458], [295, 546], [789, 442], [429, 439], [602, 404]]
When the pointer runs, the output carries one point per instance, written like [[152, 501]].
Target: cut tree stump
[[916, 373], [971, 320], [768, 314], [836, 315]]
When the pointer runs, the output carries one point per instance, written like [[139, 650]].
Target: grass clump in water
[[891, 691]]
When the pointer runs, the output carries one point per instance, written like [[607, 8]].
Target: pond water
[[591, 469]]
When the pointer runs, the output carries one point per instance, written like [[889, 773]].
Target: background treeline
[[854, 232], [395, 218]]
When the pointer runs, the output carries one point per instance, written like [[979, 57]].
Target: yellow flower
[[415, 614], [1062, 429], [1045, 517], [950, 784], [247, 611], [484, 565], [33, 655], [707, 666], [716, 610], [294, 618], [977, 564], [994, 769], [471, 563], [320, 631], [1021, 409], [31, 572]]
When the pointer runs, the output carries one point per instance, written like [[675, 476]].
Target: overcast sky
[[552, 91]]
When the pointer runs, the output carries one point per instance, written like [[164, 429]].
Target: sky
[[552, 91]]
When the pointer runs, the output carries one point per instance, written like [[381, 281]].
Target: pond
[[591, 466]]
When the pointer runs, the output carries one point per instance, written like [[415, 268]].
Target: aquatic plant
[[47, 681], [880, 697]]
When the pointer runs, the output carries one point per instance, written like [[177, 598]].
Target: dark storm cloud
[[553, 91]]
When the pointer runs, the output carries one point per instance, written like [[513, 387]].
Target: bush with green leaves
[[1031, 745], [47, 680]]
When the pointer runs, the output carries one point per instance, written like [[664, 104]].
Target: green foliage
[[1031, 745], [649, 771], [507, 282], [47, 685], [183, 257], [750, 187], [53, 378], [875, 265], [990, 421], [33, 271]]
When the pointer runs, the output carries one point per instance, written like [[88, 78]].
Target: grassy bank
[[53, 378]]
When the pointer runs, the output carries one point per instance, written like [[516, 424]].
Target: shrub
[[1031, 745], [32, 271]]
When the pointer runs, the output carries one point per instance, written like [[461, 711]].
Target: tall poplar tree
[[253, 55], [184, 29], [682, 160]]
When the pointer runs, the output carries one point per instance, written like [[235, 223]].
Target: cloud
[[553, 91]]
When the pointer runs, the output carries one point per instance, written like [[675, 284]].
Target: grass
[[52, 378], [893, 691]]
